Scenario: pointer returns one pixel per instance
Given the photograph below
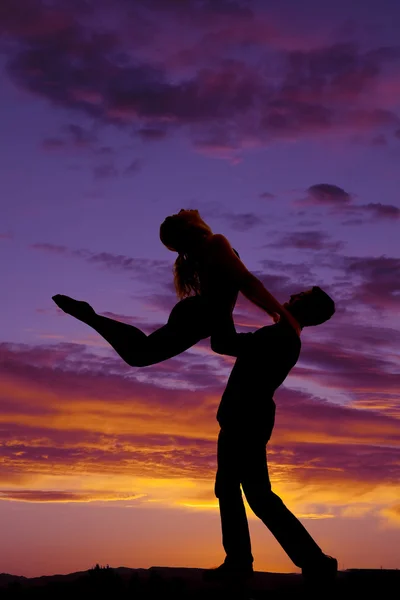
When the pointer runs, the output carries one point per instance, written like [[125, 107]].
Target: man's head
[[311, 307]]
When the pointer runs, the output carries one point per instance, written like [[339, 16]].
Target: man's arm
[[223, 257]]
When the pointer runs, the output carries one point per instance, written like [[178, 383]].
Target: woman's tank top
[[196, 315]]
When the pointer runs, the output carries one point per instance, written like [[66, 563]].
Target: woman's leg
[[135, 347], [224, 337]]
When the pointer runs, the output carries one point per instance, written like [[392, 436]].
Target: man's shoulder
[[280, 332]]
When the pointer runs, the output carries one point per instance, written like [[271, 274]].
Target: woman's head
[[181, 231]]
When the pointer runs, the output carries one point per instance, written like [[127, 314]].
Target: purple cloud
[[53, 143], [106, 171], [161, 270], [224, 104], [80, 136], [53, 248], [341, 202], [379, 281], [382, 211], [326, 194], [306, 240], [244, 221], [134, 167], [75, 136], [298, 271], [379, 140], [267, 196], [149, 134]]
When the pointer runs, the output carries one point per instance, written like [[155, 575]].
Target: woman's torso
[[196, 315], [216, 286]]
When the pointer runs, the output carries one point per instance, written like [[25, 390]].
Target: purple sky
[[282, 126]]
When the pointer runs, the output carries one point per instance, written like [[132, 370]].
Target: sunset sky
[[280, 122]]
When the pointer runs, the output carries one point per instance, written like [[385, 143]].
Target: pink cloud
[[379, 280], [33, 21], [316, 438], [224, 104]]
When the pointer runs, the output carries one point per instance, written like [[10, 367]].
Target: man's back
[[265, 360]]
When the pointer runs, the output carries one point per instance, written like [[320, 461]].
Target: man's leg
[[287, 529], [235, 529]]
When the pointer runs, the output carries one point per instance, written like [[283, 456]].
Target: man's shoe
[[322, 571], [226, 573]]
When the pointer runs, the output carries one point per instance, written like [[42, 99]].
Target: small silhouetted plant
[[98, 568], [104, 577]]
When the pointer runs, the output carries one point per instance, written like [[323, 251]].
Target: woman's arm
[[223, 257]]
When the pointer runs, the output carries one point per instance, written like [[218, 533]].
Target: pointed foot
[[76, 308]]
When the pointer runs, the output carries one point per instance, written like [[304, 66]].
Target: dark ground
[[182, 584]]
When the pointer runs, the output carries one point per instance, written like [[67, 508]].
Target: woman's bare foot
[[77, 308]]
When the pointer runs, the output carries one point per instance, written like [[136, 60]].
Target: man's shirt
[[265, 359]]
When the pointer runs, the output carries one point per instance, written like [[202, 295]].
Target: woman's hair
[[186, 277], [175, 233]]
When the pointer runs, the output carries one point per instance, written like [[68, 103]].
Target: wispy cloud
[[141, 268], [307, 240], [342, 203], [225, 104], [267, 196], [244, 221], [134, 167], [73, 414], [105, 171], [60, 497]]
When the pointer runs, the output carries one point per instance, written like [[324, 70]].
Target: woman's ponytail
[[186, 277]]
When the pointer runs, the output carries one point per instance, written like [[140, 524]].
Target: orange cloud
[[85, 435], [54, 496]]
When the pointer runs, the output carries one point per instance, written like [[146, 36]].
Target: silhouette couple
[[208, 275]]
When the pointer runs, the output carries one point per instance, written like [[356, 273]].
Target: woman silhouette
[[208, 275]]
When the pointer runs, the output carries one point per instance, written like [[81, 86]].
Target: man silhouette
[[246, 416]]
